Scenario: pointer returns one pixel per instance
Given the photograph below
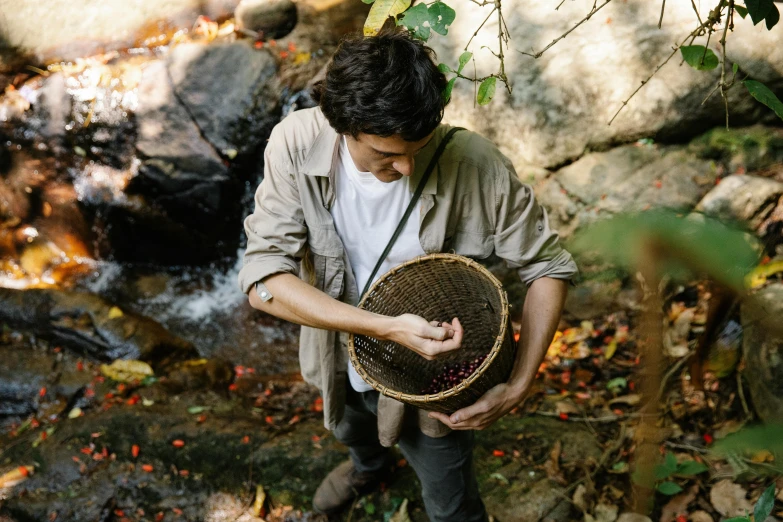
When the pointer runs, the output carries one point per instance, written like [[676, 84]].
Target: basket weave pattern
[[437, 287]]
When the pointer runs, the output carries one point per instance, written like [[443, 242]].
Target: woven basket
[[438, 287]]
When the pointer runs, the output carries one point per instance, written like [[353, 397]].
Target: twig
[[644, 82], [479, 27], [583, 20], [559, 5], [612, 418], [723, 64], [696, 10], [502, 75], [741, 393], [663, 8], [677, 366]]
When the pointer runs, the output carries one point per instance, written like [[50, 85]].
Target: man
[[337, 179]]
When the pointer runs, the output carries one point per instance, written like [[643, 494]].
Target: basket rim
[[427, 398]]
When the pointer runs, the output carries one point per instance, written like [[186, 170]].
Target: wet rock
[[763, 354], [236, 113], [747, 199], [270, 18], [88, 323], [624, 179], [561, 103], [199, 374]]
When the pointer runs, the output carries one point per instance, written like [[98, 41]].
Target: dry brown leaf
[[552, 466], [631, 400], [127, 370], [678, 505], [15, 476], [729, 499], [606, 513], [579, 499], [700, 516], [567, 407]]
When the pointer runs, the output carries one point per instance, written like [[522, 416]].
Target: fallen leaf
[[633, 517], [729, 499], [258, 504], [402, 514], [566, 407], [606, 513], [15, 476], [679, 504], [115, 312], [127, 370], [700, 516], [579, 499], [631, 400], [763, 456]]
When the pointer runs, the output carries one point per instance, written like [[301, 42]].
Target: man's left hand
[[490, 407]]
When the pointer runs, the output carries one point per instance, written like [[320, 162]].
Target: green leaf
[[616, 384], [194, 410], [693, 54], [668, 467], [442, 67], [690, 468], [773, 17], [501, 478], [737, 519], [758, 9], [735, 68], [765, 504], [416, 20], [669, 488], [446, 94], [463, 60], [441, 17], [486, 91], [381, 10], [741, 10], [695, 242], [368, 1], [369, 508], [762, 93]]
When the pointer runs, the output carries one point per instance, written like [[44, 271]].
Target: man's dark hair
[[383, 85]]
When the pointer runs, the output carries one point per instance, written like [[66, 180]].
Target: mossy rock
[[754, 148]]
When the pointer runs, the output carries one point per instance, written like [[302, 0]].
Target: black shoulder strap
[[411, 206]]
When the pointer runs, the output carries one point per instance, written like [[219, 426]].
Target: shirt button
[[263, 295]]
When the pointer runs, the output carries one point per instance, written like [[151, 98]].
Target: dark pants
[[444, 465]]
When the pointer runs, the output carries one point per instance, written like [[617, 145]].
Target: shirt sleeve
[[276, 230], [522, 233]]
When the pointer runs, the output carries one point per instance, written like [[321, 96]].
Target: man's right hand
[[425, 338]]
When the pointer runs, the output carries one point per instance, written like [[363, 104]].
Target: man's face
[[389, 159]]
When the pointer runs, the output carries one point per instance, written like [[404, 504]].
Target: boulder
[[763, 354], [560, 103], [229, 91], [624, 179], [747, 199], [269, 18]]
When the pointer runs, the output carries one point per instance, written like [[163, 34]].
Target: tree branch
[[663, 8], [594, 10]]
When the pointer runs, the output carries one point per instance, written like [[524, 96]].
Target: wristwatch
[[263, 293]]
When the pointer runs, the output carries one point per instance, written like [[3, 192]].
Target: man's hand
[[490, 407], [427, 339]]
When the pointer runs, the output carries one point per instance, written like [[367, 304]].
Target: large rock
[[763, 353], [76, 28], [747, 199], [229, 90], [560, 103], [624, 179], [203, 109], [269, 18]]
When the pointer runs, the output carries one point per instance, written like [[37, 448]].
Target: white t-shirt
[[366, 212]]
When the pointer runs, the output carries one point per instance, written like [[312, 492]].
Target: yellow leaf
[[381, 10], [76, 412], [258, 505], [126, 371], [611, 348], [761, 273], [302, 58], [115, 312], [763, 456], [15, 476]]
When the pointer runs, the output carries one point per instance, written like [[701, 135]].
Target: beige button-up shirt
[[473, 204]]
